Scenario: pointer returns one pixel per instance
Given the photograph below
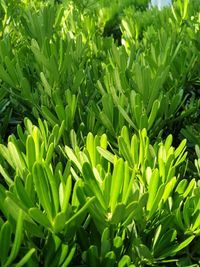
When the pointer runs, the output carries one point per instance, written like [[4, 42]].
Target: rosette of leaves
[[40, 188], [140, 192]]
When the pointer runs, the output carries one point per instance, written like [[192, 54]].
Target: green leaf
[[16, 157], [144, 252], [107, 123], [17, 240], [156, 237], [125, 261], [26, 88], [59, 222], [76, 220], [42, 188], [49, 154], [64, 252], [196, 223], [153, 114], [176, 248], [168, 189], [93, 258], [40, 217], [91, 181], [106, 154], [5, 241], [22, 193], [135, 149], [164, 242], [126, 182], [118, 213], [69, 257], [180, 148], [153, 188], [26, 258], [108, 106], [6, 176], [187, 212], [181, 186], [49, 116], [60, 111], [105, 242], [30, 150], [143, 121], [189, 188], [6, 154], [176, 100], [179, 218], [91, 148], [65, 193], [157, 200], [168, 142], [116, 186], [4, 76], [125, 151], [11, 70], [13, 204], [128, 193], [110, 259], [126, 117], [53, 186], [73, 157], [106, 186]]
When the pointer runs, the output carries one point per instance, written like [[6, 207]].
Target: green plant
[[99, 172]]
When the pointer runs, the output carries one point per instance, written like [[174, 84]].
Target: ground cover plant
[[99, 133]]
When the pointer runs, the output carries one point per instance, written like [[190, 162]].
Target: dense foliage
[[99, 133]]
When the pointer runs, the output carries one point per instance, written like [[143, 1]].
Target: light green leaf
[[39, 217], [168, 189], [91, 181], [30, 151], [189, 188], [153, 114], [125, 261], [69, 257], [117, 181], [73, 157], [196, 223], [106, 154], [16, 157], [181, 186], [91, 148], [42, 188], [67, 193], [59, 222], [49, 154], [180, 148], [6, 154], [26, 258], [153, 188]]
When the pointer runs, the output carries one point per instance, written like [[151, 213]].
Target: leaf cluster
[[99, 133]]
